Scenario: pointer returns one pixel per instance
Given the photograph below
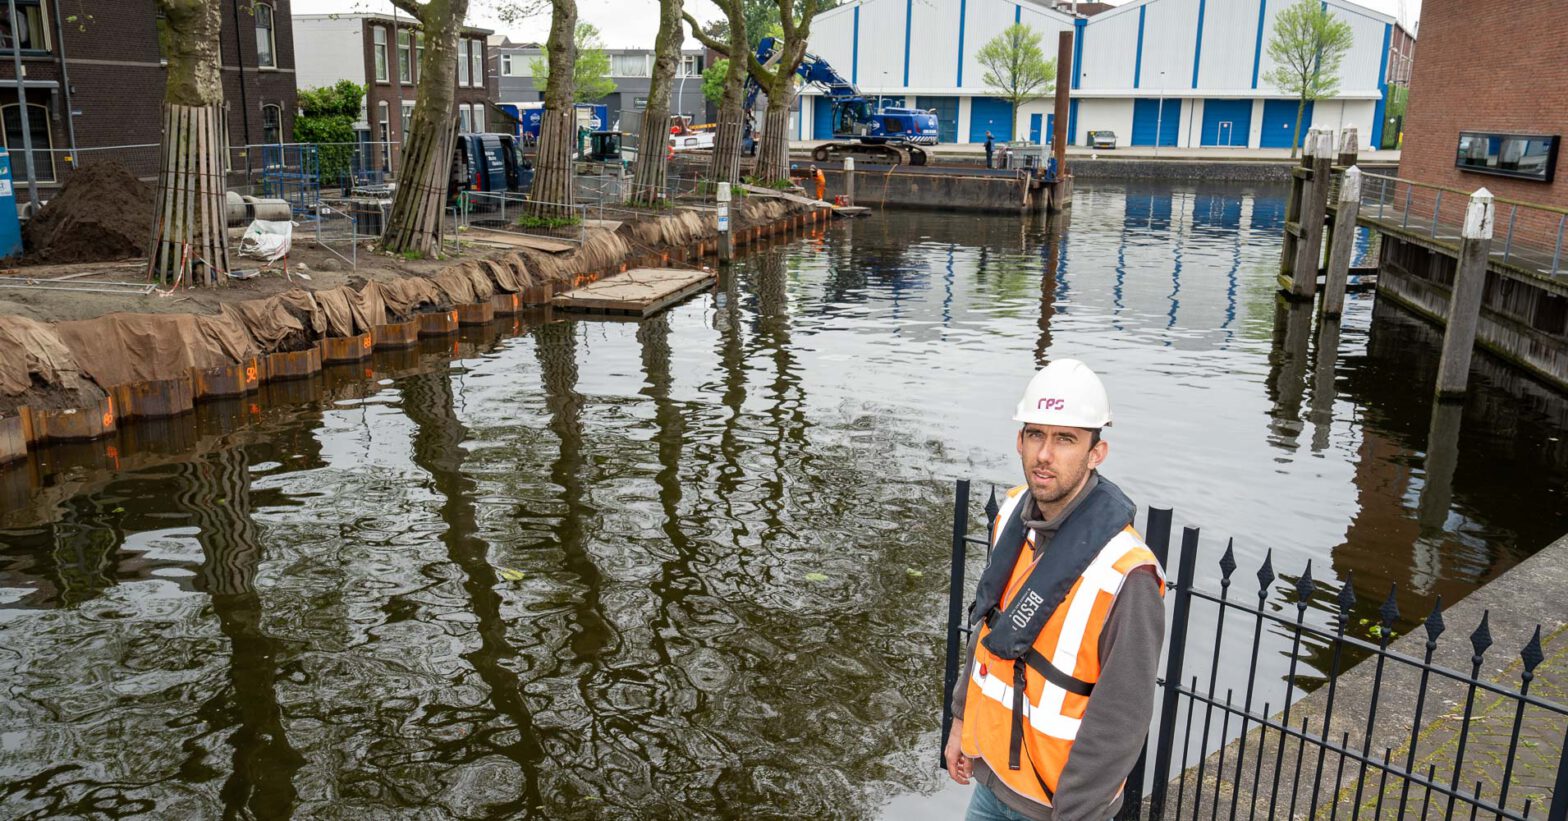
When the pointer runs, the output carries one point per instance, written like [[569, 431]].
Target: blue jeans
[[985, 806]]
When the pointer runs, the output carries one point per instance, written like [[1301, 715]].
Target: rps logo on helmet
[[1049, 403]]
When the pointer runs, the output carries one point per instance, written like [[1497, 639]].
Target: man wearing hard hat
[[1055, 703]]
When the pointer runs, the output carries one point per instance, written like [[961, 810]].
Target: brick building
[[382, 52], [93, 83], [1481, 107]]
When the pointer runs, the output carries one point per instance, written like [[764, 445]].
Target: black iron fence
[[1387, 732]]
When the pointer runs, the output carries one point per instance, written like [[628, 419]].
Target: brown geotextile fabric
[[38, 357]]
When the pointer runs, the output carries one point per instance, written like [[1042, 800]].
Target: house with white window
[[382, 52]]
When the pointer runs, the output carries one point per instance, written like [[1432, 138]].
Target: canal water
[[696, 566]]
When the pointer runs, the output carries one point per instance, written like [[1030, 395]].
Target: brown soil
[[102, 213], [324, 269]]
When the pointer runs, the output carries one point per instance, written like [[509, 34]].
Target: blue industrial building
[[1169, 72]]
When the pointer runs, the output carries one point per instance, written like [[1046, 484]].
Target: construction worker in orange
[[821, 180], [1052, 710]]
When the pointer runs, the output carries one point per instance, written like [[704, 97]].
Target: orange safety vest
[[1060, 672]]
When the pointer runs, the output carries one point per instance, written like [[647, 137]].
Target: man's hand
[[959, 766]]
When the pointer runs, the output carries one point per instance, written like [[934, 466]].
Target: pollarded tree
[[777, 80], [729, 40], [190, 239], [415, 224], [1308, 45], [553, 189], [590, 73], [1016, 68], [652, 161]]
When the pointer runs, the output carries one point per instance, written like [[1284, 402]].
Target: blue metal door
[[822, 118], [1227, 122], [990, 114], [1147, 117], [1034, 127], [1279, 122], [946, 110]]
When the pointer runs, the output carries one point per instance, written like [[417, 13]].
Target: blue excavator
[[860, 128]]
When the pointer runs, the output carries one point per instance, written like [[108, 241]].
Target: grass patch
[[411, 255], [531, 221]]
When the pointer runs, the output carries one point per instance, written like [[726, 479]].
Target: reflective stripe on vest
[[1070, 642]]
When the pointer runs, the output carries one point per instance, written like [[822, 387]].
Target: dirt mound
[[101, 213]]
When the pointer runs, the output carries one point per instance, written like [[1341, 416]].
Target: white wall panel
[[1230, 35], [1170, 33], [832, 38], [1358, 71], [1105, 115], [933, 44], [882, 46], [1271, 13], [986, 19], [1110, 46]]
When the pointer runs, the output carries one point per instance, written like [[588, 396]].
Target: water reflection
[[723, 529]]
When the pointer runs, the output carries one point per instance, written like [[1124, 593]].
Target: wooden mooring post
[[1349, 147], [1342, 244], [1300, 280], [1464, 302]]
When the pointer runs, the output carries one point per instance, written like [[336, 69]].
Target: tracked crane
[[860, 128]]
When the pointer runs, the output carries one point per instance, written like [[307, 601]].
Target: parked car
[[1102, 139]]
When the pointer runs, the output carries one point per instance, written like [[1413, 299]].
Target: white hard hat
[[1065, 392]]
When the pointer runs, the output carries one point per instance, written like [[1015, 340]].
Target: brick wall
[[117, 80], [1487, 68]]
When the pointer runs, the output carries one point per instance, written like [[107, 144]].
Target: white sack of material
[[267, 240]]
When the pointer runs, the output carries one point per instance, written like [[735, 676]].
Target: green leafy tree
[[591, 74], [1308, 45], [326, 117], [1016, 68], [713, 80]]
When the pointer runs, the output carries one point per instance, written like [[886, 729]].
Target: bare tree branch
[[703, 37], [411, 7]]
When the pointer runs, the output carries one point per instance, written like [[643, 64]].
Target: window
[[33, 32], [271, 124], [479, 116], [386, 135], [462, 62], [628, 65], [419, 52], [264, 40], [380, 33], [465, 123], [408, 117], [38, 125], [1531, 157], [516, 65], [405, 57], [691, 65], [477, 59]]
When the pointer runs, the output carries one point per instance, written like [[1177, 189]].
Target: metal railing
[[1252, 762], [478, 212], [1530, 236]]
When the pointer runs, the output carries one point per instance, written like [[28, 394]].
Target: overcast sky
[[633, 23]]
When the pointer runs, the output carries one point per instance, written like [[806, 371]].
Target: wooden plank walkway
[[508, 239], [639, 292]]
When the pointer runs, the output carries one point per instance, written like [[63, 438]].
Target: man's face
[[1057, 461]]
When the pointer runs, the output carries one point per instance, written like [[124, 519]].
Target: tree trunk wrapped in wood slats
[[773, 155], [554, 188], [651, 176], [189, 241], [417, 222]]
